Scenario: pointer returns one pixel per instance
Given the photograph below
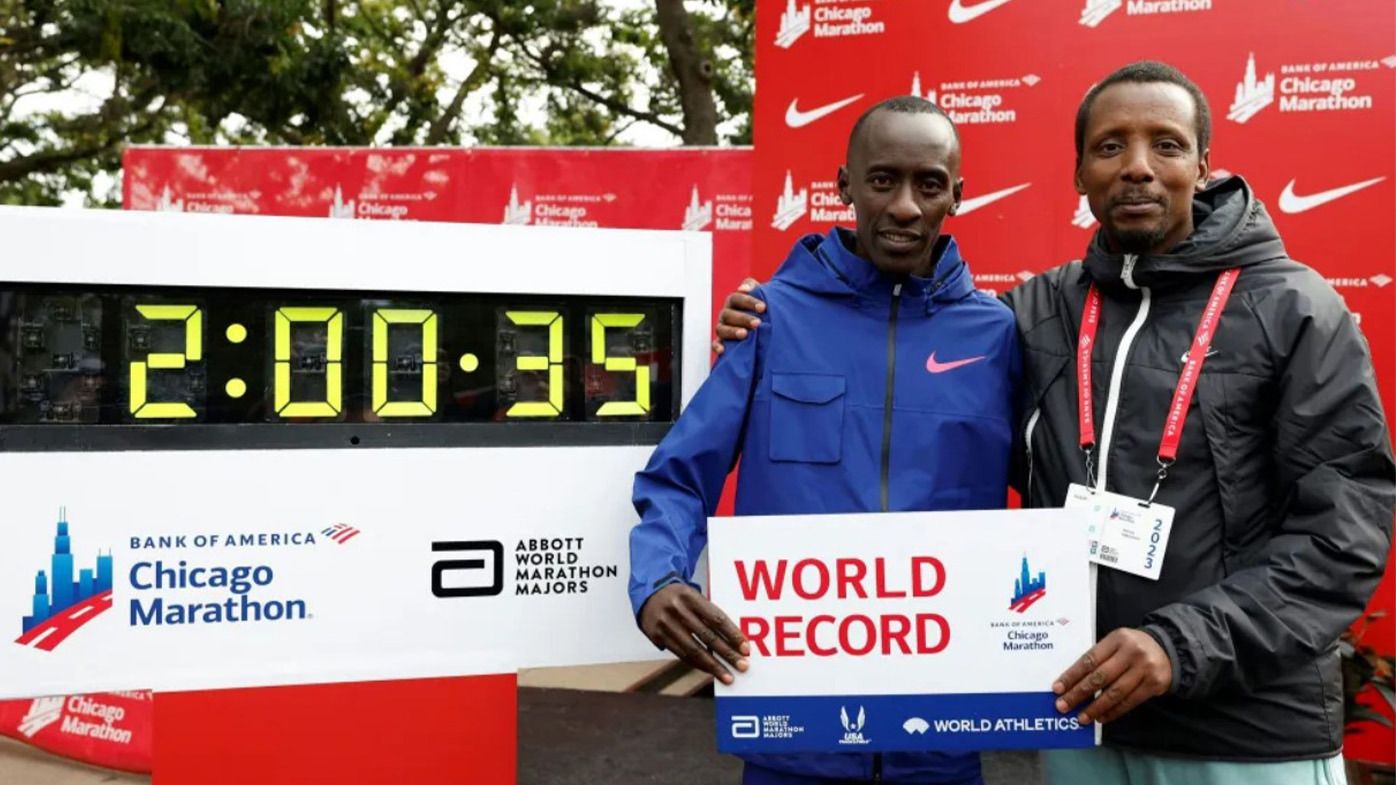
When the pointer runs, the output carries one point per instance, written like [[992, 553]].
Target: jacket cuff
[[1159, 634], [655, 586]]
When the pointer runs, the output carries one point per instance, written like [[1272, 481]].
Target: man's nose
[[1136, 167], [904, 208]]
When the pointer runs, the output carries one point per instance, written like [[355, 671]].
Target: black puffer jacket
[[1284, 484]]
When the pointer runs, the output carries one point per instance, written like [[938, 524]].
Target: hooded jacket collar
[[1230, 229], [826, 264]]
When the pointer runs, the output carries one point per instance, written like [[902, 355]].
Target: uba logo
[[1027, 589], [63, 602]]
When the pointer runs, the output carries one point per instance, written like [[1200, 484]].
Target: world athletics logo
[[1027, 589], [71, 603]]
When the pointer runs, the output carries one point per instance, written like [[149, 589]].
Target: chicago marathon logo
[[65, 602], [1325, 86], [832, 19], [1096, 11], [1027, 589]]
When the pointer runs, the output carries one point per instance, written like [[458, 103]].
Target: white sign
[[904, 631]]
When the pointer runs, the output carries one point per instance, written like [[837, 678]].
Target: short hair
[[1147, 72], [909, 104]]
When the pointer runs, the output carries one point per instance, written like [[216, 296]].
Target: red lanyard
[[1187, 378]]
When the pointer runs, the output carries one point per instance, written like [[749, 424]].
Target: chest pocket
[[807, 417]]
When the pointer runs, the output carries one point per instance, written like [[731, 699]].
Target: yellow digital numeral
[[551, 363], [193, 319], [641, 404], [334, 367], [381, 405]]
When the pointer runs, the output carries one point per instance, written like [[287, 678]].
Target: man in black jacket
[[1275, 456]]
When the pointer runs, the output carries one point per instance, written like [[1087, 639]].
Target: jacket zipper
[[887, 440], [1027, 439], [887, 399], [1117, 368]]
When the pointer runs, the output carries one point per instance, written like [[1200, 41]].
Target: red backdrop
[[1301, 96]]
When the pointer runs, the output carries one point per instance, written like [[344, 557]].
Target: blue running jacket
[[857, 394]]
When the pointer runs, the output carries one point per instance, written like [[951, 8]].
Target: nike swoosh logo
[[1293, 203], [797, 119], [939, 367], [960, 13], [970, 205]]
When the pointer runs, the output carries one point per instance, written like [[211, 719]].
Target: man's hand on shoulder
[[738, 315], [1127, 668], [681, 620]]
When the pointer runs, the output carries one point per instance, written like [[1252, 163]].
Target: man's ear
[[844, 195], [958, 190], [1076, 180], [1204, 170]]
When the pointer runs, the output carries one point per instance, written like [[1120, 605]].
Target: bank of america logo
[[1096, 10], [72, 602], [791, 206], [795, 22], [1027, 589], [1381, 280], [698, 214], [1252, 94], [517, 212], [42, 713], [341, 533]]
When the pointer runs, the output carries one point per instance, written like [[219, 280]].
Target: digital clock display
[[133, 356]]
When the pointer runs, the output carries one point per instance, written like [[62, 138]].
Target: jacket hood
[[1230, 229], [826, 264]]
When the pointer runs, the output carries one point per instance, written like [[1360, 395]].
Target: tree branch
[[693, 71], [472, 82], [619, 107]]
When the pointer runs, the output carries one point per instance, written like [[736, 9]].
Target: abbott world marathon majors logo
[[828, 19], [1325, 86], [976, 101], [541, 566]]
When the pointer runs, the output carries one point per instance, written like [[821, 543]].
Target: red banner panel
[[112, 730], [1301, 93], [425, 731]]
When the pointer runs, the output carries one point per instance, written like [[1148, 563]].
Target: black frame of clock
[[68, 357]]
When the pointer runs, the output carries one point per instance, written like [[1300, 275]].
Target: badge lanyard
[[1182, 394]]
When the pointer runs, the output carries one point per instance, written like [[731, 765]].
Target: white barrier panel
[[248, 451]]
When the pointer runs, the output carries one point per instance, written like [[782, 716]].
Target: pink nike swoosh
[[939, 367]]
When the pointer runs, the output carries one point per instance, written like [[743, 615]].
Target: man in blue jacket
[[879, 380]]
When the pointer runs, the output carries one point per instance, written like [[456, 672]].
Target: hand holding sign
[[1127, 667], [681, 620]]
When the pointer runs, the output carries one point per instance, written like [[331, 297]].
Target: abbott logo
[[43, 712], [746, 726], [1096, 10], [794, 23], [1252, 94], [471, 572], [791, 206]]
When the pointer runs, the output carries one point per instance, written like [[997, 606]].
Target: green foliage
[[81, 78]]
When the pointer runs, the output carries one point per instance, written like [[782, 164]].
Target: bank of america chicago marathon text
[[239, 580]]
